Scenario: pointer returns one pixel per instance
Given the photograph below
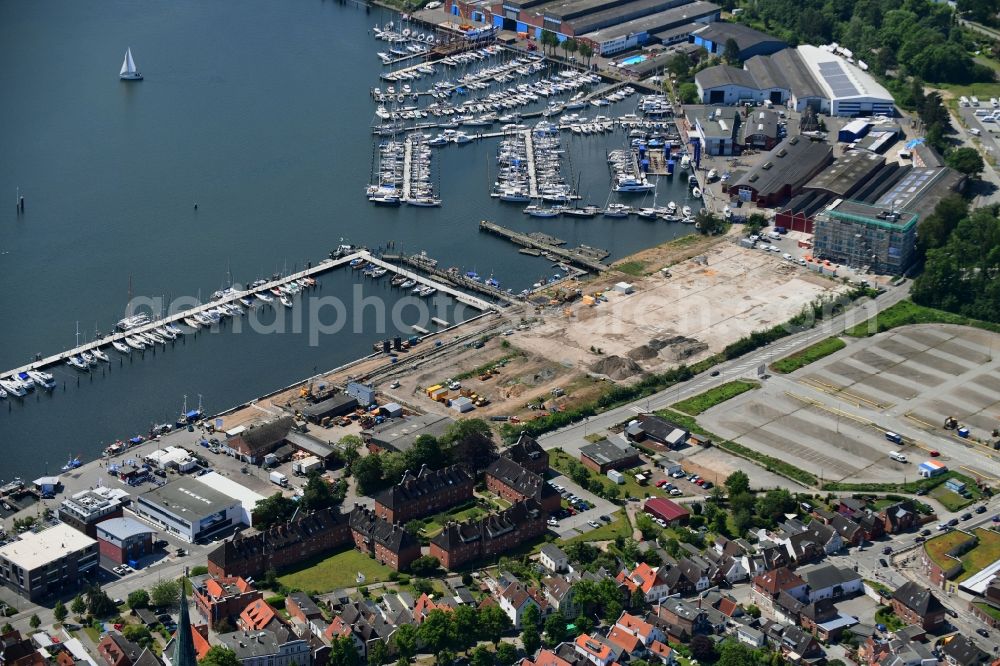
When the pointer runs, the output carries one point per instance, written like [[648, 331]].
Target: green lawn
[[336, 571], [92, 633], [559, 460], [989, 610], [704, 401], [950, 499], [636, 268], [938, 546], [808, 355], [983, 555], [907, 312], [606, 532]]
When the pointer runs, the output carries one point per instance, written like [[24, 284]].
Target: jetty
[[577, 256], [322, 266], [422, 263], [529, 151], [407, 166]]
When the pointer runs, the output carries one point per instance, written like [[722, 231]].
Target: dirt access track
[[706, 303]]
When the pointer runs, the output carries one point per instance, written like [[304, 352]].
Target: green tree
[[493, 622], [775, 504], [733, 653], [59, 611], [482, 656], [79, 606], [444, 657], [316, 494], [755, 222], [464, 626], [426, 450], [34, 622], [679, 65], [584, 623], [434, 631], [555, 629], [165, 593], [703, 649], [425, 565], [138, 599], [138, 634], [966, 160], [737, 483], [406, 641], [569, 45], [934, 229], [274, 510], [368, 473], [219, 655], [688, 93], [378, 654], [99, 604], [548, 40], [506, 654], [343, 652], [586, 51], [531, 637], [471, 442], [708, 223], [731, 53], [350, 449]]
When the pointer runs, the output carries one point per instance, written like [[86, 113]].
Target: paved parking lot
[[571, 526], [830, 417]]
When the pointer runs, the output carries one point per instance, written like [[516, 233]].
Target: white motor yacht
[[121, 346], [100, 355]]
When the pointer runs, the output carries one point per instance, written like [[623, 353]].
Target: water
[[259, 113]]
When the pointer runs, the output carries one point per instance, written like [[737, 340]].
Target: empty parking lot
[[830, 417]]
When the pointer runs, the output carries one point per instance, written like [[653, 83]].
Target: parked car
[[882, 562], [678, 475], [887, 550], [966, 516], [606, 518], [982, 632], [980, 509], [593, 523], [953, 522], [661, 483], [925, 532], [675, 491]]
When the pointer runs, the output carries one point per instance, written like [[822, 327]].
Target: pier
[[407, 165], [529, 151], [572, 256], [322, 266], [421, 263]]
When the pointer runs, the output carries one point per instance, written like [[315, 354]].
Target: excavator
[[950, 423]]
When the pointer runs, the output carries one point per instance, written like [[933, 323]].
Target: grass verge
[[906, 313], [330, 573], [949, 499], [911, 487], [606, 532], [704, 401], [636, 268], [808, 355]]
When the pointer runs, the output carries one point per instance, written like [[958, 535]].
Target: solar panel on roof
[[838, 80]]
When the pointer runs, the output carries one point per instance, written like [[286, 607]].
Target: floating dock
[[407, 166], [575, 257], [421, 263], [529, 151], [321, 267]]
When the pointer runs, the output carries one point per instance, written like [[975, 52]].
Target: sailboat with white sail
[[129, 72]]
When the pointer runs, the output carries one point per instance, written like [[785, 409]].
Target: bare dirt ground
[[706, 303]]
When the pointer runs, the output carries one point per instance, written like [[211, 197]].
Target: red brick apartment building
[[428, 492], [461, 543], [515, 484], [529, 454], [389, 543], [223, 598]]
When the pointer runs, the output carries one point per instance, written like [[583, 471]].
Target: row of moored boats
[[374, 271]]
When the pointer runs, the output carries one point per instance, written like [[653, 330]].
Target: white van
[[975, 131], [897, 456], [963, 101], [974, 101]]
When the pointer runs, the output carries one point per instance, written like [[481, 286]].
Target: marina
[[588, 258]]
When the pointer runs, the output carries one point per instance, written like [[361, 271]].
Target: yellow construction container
[[431, 390]]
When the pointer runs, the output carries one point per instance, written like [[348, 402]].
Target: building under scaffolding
[[866, 237]]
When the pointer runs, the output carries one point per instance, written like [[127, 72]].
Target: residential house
[[698, 572], [389, 543], [750, 636], [604, 455], [662, 653], [820, 618], [18, 651], [545, 658], [794, 644], [516, 598], [768, 585], [116, 650], [626, 643], [683, 614], [529, 454], [427, 492], [258, 615], [559, 594], [828, 581], [653, 586], [872, 524], [915, 604], [338, 628], [900, 517], [252, 443], [728, 568], [963, 651], [424, 605], [876, 650], [516, 484], [644, 631], [650, 428], [677, 583], [787, 608], [851, 507], [593, 650], [220, 598], [267, 648], [553, 558], [300, 606]]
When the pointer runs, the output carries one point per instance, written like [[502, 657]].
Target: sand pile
[[616, 367]]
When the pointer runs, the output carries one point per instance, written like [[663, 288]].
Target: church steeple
[[184, 653]]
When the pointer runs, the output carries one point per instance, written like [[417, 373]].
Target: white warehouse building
[[807, 76]]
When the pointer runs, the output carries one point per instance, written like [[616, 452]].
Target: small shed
[[931, 468], [392, 410], [616, 476], [624, 288], [955, 485], [853, 130], [332, 407], [670, 466], [462, 405]]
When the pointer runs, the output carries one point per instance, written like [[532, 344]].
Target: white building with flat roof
[[47, 563], [188, 509], [247, 498]]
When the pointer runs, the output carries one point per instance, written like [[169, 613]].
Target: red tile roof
[[624, 639], [635, 625], [642, 577], [257, 615], [660, 650], [593, 646], [773, 582], [545, 658], [337, 628]]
